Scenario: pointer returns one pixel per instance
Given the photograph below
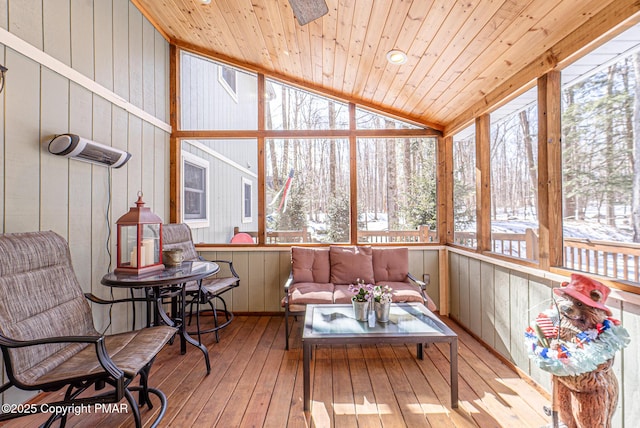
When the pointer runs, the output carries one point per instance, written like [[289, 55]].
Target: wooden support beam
[[550, 170], [443, 271], [353, 175], [483, 182], [445, 190], [174, 142], [262, 227]]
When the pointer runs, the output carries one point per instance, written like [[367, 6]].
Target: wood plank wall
[[496, 302], [111, 43]]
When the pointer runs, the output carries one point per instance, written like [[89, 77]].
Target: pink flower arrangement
[[382, 294], [363, 292]]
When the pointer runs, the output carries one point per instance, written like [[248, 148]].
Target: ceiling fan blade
[[306, 11]]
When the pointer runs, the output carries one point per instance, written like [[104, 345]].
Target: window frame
[[247, 194], [233, 92], [187, 157]]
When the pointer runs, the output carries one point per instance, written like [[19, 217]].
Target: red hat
[[588, 291]]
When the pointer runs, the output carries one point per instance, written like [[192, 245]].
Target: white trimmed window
[[195, 179], [227, 78], [247, 208]]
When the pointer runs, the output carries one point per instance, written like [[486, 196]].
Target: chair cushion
[[404, 292], [348, 264], [302, 293], [310, 264], [341, 294], [130, 351], [391, 264], [214, 286]]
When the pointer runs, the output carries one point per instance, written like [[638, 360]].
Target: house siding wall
[[497, 301], [111, 43]]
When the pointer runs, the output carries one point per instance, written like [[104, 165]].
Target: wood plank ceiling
[[458, 51]]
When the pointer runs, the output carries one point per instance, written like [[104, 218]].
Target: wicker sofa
[[323, 275]]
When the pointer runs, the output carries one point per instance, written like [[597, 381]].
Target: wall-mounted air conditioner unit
[[73, 146]]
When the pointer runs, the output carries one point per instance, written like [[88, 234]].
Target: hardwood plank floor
[[256, 383]]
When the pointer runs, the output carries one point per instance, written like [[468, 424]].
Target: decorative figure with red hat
[[576, 342]]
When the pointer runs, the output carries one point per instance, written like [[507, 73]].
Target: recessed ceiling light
[[205, 1], [396, 57]]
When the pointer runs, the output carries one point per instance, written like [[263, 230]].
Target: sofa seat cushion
[[348, 264], [341, 294], [302, 293], [310, 264], [404, 292], [390, 264]]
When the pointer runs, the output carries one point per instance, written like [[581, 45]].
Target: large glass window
[[366, 119], [307, 190], [226, 193], [600, 147], [397, 196], [514, 177], [464, 187], [214, 96], [289, 108]]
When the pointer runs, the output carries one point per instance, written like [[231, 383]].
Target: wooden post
[[445, 190], [443, 273], [174, 143], [262, 227], [550, 170], [483, 182]]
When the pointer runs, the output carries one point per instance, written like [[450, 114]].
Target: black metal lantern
[[139, 240]]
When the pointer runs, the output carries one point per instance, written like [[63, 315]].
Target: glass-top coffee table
[[408, 323]]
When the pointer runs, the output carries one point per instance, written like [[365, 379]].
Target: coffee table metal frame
[[334, 324]]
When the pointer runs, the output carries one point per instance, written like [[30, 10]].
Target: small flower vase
[[360, 310], [382, 311]]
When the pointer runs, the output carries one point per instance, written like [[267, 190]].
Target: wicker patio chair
[[178, 235], [48, 338]]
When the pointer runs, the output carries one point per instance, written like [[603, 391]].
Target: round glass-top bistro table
[[168, 283]]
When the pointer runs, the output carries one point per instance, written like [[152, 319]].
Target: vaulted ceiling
[[462, 55]]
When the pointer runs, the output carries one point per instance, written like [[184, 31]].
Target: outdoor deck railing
[[613, 259]]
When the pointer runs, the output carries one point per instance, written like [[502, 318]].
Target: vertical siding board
[[134, 185], [135, 56], [82, 53], [629, 390], [519, 307], [464, 291], [119, 205], [4, 18], [104, 41], [148, 167], [100, 201], [148, 67], [431, 263], [161, 178], [256, 282], [502, 313], [454, 278], [539, 300], [57, 29], [80, 120], [616, 309], [487, 303], [22, 147], [160, 79], [475, 309], [121, 48], [25, 21], [54, 180], [241, 294], [271, 281]]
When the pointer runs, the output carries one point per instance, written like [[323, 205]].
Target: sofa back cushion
[[391, 264], [310, 264], [348, 264]]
